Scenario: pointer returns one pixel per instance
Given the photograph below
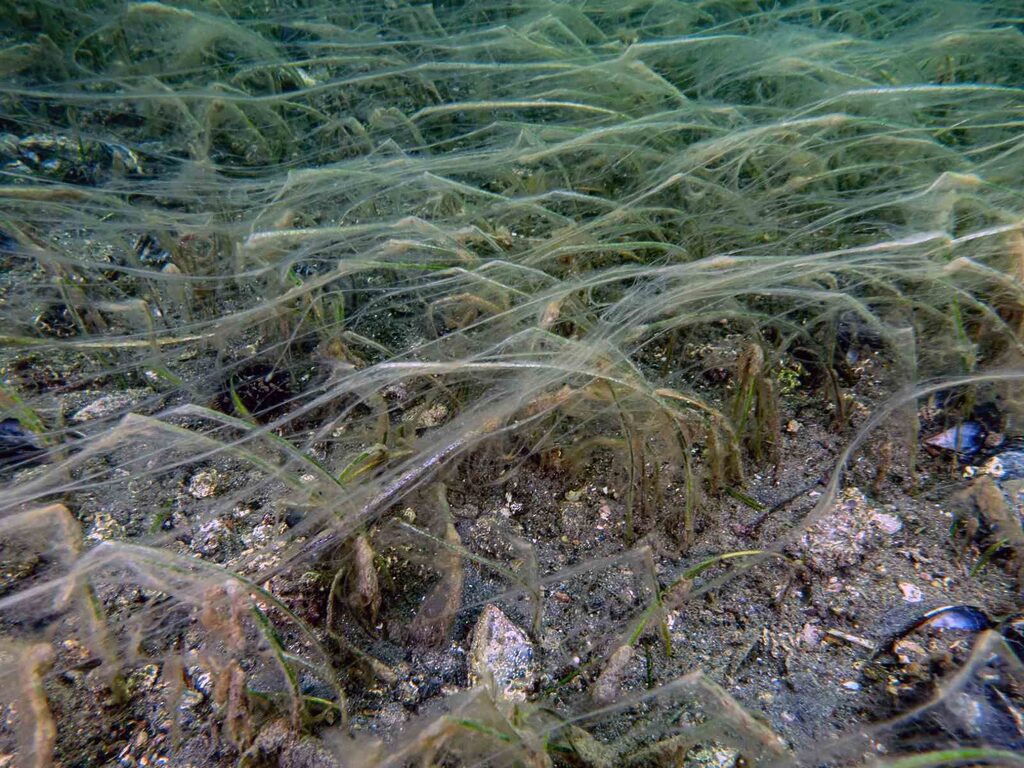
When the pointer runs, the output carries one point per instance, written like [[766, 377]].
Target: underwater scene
[[513, 383]]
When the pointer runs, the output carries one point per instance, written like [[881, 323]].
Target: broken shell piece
[[964, 438], [502, 652], [113, 404], [888, 523]]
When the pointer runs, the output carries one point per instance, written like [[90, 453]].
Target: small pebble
[[851, 685], [911, 593], [888, 523], [434, 416], [810, 635]]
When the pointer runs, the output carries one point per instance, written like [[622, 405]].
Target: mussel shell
[[7, 243], [982, 709], [56, 320], [150, 252], [17, 444], [1013, 630], [966, 438], [957, 618], [962, 617], [967, 618]]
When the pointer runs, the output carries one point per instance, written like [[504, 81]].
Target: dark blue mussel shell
[[986, 707], [964, 618], [1013, 630], [17, 444], [965, 438]]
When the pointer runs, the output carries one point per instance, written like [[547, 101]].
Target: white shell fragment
[[501, 651]]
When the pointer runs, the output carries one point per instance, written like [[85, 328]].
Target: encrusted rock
[[279, 744], [109, 405], [204, 484], [711, 756], [501, 651], [842, 538], [210, 537], [105, 528]]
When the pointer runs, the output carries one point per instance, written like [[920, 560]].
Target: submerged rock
[[113, 404], [501, 651], [843, 537]]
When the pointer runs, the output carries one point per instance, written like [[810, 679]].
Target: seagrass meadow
[[536, 383]]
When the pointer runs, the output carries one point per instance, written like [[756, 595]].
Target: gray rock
[[109, 405], [842, 538], [501, 651]]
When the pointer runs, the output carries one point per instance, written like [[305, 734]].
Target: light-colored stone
[[105, 528], [711, 756], [889, 524], [109, 405], [843, 536], [911, 593], [502, 652]]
